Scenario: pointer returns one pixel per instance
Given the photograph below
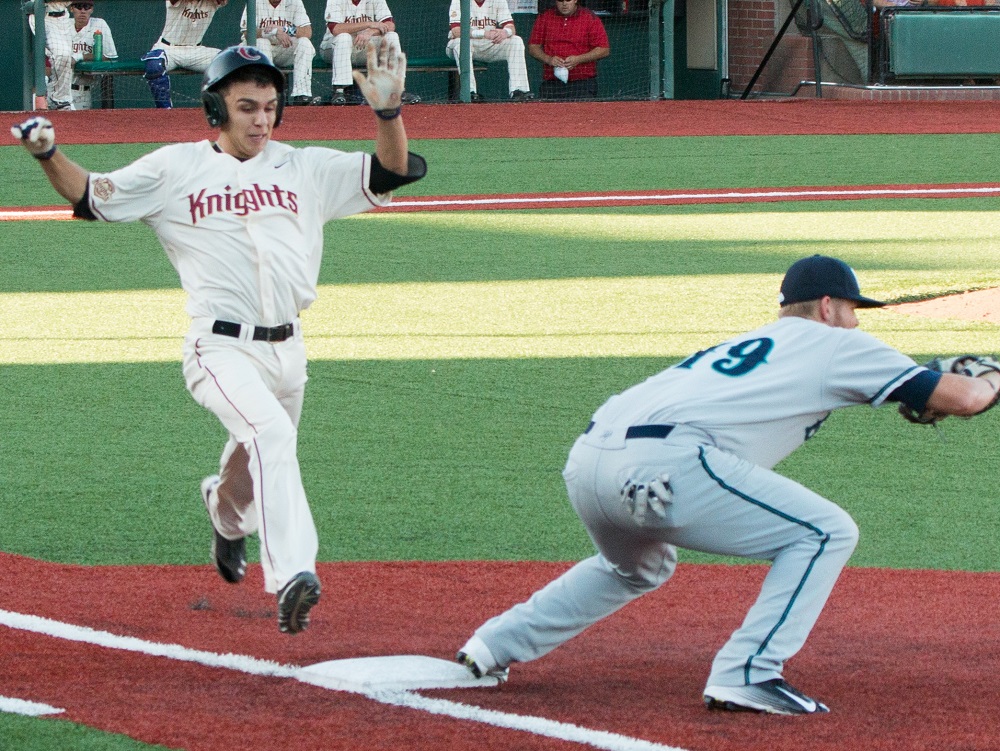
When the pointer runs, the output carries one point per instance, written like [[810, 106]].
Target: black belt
[[57, 14], [260, 333], [643, 431], [76, 87], [164, 41]]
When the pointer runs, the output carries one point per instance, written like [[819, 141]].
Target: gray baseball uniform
[[715, 424]]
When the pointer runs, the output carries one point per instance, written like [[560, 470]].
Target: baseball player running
[[284, 34], [350, 24], [493, 38], [59, 51], [180, 45], [241, 219], [83, 49], [684, 459]]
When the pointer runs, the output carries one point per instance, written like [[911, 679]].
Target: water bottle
[[98, 46]]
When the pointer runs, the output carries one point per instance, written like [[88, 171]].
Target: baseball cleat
[[230, 556], [773, 697], [295, 600], [478, 659]]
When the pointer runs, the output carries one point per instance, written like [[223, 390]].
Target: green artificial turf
[[534, 319], [19, 733], [527, 165]]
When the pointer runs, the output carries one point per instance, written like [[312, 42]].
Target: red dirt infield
[[905, 659], [548, 119]]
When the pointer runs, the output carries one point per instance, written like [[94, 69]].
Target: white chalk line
[[266, 668], [704, 197], [29, 708], [582, 200]]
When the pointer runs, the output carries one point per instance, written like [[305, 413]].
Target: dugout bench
[[106, 71], [936, 43]]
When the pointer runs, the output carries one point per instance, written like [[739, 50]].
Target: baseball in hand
[[36, 134]]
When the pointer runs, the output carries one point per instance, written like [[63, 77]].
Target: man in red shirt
[[568, 40]]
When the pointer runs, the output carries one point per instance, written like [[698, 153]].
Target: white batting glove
[[639, 498], [36, 135], [383, 86]]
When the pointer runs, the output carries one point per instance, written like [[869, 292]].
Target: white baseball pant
[[190, 56], [256, 391], [59, 49], [721, 504], [300, 56], [510, 50], [344, 56]]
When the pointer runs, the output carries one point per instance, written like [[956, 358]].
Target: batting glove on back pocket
[[36, 135], [641, 497]]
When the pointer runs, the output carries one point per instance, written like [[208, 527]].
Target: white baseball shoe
[[476, 656], [774, 697]]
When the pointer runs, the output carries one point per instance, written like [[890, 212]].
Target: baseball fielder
[[179, 45], [241, 220], [284, 34], [493, 38], [684, 459], [59, 51], [350, 24], [83, 48]]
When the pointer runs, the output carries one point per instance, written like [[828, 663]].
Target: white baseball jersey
[[187, 21], [270, 17], [207, 209], [762, 394], [490, 14], [349, 11], [83, 40]]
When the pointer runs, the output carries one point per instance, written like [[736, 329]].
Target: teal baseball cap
[[818, 276]]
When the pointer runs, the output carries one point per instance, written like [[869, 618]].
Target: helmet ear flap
[[215, 108]]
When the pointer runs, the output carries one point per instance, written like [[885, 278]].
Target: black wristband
[[47, 155], [389, 114]]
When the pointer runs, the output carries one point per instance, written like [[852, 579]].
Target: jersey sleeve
[[299, 15], [110, 51], [342, 181], [598, 34], [381, 11], [334, 12], [133, 193], [866, 370], [503, 15], [454, 13]]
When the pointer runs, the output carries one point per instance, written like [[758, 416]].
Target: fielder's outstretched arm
[[963, 395], [68, 178]]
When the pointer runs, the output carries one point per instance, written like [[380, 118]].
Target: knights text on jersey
[[762, 394], [187, 21], [288, 13], [257, 224], [490, 15], [348, 11]]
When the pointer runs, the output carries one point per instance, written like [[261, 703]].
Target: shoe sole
[[296, 600], [224, 550], [730, 700]]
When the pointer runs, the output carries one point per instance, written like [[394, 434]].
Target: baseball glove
[[973, 366]]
